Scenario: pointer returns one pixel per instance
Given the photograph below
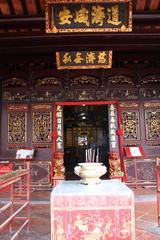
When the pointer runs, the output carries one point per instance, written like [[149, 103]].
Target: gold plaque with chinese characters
[[84, 59], [88, 16]]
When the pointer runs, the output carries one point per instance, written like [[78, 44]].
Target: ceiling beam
[[119, 41]]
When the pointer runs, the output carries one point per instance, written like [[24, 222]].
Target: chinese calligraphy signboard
[[88, 16], [84, 59], [59, 124]]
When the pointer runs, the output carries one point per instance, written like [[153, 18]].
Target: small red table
[[87, 212]]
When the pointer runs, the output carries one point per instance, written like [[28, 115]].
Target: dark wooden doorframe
[[119, 130]]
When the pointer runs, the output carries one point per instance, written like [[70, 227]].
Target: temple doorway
[[86, 136]]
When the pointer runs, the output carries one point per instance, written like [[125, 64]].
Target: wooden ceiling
[[36, 7], [22, 29]]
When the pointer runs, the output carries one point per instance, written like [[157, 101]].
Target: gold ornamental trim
[[129, 105], [41, 107], [84, 60], [65, 16], [17, 107], [152, 104]]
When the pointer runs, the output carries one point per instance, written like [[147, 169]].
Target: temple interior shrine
[[80, 82], [32, 87]]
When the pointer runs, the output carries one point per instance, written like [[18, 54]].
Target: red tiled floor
[[146, 214]]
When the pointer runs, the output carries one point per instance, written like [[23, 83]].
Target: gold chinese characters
[[84, 59], [87, 16]]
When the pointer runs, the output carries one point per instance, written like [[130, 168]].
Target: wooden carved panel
[[84, 80], [15, 90], [129, 105], [48, 81], [17, 124], [127, 93], [150, 79], [16, 95], [152, 93], [131, 170], [152, 104], [46, 96], [15, 82], [39, 173], [85, 95], [152, 120], [146, 170], [120, 93], [120, 79], [42, 123], [130, 121], [100, 95], [69, 95]]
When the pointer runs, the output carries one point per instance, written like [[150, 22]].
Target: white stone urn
[[90, 172]]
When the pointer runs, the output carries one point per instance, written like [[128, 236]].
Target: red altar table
[[92, 212]]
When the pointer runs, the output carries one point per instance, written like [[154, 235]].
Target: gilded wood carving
[[84, 59], [152, 120], [42, 123], [17, 125], [130, 122], [88, 16]]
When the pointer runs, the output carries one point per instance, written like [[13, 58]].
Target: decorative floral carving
[[16, 108], [130, 121], [152, 119], [150, 79], [84, 80], [152, 104], [16, 96], [122, 93], [42, 126], [48, 81], [121, 79], [14, 82], [149, 93], [69, 95], [100, 95], [129, 104], [83, 95], [47, 95], [17, 127]]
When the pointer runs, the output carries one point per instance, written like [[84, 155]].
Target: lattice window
[[17, 127], [42, 126], [152, 120], [130, 121]]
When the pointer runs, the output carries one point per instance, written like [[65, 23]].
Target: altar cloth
[[92, 212]]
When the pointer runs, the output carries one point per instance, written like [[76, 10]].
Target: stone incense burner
[[90, 172]]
